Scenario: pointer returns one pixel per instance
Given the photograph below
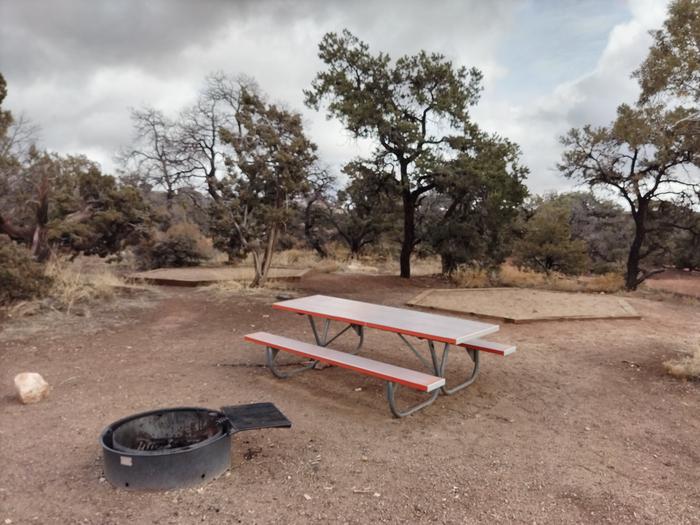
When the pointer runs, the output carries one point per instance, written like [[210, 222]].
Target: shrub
[[547, 245], [20, 277], [183, 244], [685, 368], [470, 277], [71, 286]]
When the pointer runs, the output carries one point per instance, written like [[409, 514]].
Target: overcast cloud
[[75, 67]]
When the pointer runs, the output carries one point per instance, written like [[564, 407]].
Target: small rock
[[587, 429], [307, 497], [8, 521], [31, 387], [364, 458], [358, 389], [376, 494]]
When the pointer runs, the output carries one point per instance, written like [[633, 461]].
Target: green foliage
[[21, 277], [604, 225], [367, 207], [673, 62], [94, 213], [410, 107], [270, 170], [181, 245], [475, 203], [5, 116], [641, 156], [547, 244]]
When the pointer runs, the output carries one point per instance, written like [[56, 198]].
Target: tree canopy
[[640, 156], [410, 107]]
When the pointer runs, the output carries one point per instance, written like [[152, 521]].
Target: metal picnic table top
[[442, 328]]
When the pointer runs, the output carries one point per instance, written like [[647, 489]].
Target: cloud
[[77, 66], [592, 98]]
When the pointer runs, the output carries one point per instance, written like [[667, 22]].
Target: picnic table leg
[[474, 354], [439, 364], [271, 354], [323, 340], [390, 394]]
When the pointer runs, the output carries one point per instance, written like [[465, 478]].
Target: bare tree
[[158, 153]]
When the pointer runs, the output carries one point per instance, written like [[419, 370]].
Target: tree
[[641, 156], [316, 224], [268, 172], [94, 213], [366, 207], [479, 193], [603, 224], [158, 152], [673, 64], [409, 108], [24, 202], [547, 244]]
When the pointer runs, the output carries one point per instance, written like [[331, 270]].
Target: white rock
[[31, 387]]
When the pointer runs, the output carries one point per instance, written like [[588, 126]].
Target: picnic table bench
[[357, 316]]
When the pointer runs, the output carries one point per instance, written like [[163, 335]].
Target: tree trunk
[[448, 263], [40, 247], [409, 224], [634, 256], [314, 241], [169, 197], [262, 267]]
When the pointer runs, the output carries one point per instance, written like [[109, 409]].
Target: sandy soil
[[522, 305], [581, 425]]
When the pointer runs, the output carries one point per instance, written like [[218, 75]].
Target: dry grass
[[225, 289], [296, 258], [470, 277], [509, 275], [512, 276], [84, 282], [687, 367], [71, 287]]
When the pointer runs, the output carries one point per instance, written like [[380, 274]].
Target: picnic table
[[357, 316]]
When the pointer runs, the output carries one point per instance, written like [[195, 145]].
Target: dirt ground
[[521, 305], [676, 281], [580, 425]]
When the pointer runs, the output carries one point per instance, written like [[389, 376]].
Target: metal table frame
[[436, 365]]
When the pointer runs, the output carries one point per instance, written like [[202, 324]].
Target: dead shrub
[[70, 286], [509, 275], [687, 367], [610, 282], [297, 258], [470, 277]]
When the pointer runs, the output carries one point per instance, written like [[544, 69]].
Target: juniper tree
[[409, 107]]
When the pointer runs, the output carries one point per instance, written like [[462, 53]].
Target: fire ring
[[178, 447]]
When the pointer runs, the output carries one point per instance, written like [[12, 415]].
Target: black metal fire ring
[[178, 447]]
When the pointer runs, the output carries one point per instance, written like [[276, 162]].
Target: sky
[[77, 67]]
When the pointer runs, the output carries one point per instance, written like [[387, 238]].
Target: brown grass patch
[[470, 277], [509, 275], [687, 367]]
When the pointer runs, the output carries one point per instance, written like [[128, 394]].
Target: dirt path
[[580, 425]]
